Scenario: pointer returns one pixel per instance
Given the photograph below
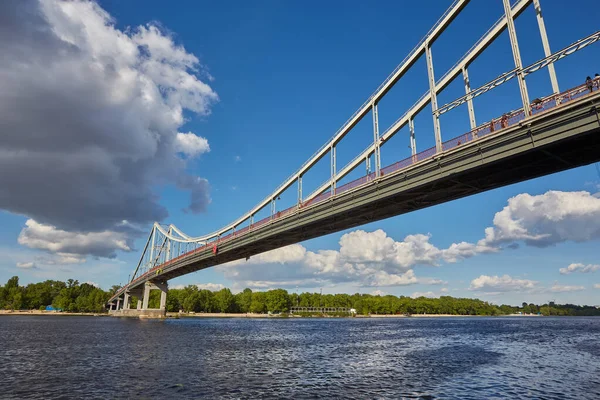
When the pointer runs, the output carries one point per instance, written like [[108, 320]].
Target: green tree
[[244, 300], [259, 303], [277, 300], [224, 300]]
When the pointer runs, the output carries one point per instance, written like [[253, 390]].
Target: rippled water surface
[[437, 358]]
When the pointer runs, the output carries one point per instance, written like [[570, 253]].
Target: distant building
[[50, 308]]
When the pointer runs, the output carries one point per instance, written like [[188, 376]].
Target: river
[[430, 358]]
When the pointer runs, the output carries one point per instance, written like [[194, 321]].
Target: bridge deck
[[564, 137]]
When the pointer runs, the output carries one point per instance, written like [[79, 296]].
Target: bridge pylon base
[[143, 314], [123, 309]]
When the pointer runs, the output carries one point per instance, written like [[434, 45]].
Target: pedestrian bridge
[[547, 135]]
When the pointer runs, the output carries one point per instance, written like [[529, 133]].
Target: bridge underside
[[565, 138]]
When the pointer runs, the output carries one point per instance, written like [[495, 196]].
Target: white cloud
[[565, 288], [546, 219], [91, 118], [375, 259], [68, 246], [370, 259], [190, 144], [26, 265], [578, 267], [505, 283], [432, 281], [213, 287], [60, 259], [444, 290], [597, 286], [416, 295], [378, 293]]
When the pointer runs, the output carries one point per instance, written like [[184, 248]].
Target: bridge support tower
[[122, 307]]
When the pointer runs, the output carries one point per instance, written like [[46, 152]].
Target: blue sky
[[287, 75]]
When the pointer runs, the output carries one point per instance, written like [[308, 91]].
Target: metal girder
[[472, 120], [299, 202], [376, 139], [441, 84], [433, 99], [536, 66], [413, 140], [449, 15], [514, 44], [546, 45], [143, 254], [333, 169], [569, 132]]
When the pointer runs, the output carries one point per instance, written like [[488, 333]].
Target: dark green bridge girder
[[560, 139]]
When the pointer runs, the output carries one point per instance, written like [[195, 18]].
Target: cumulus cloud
[[556, 288], [190, 144], [68, 245], [597, 286], [505, 283], [26, 265], [90, 120], [416, 295], [213, 287], [60, 259], [578, 267], [375, 259], [546, 219], [369, 259]]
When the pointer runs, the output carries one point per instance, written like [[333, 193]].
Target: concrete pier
[[142, 310]]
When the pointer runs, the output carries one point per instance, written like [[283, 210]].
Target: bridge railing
[[494, 126]]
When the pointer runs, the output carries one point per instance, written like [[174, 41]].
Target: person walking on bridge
[[589, 84], [597, 81], [504, 121]]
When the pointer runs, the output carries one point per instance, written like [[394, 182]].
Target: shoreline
[[52, 313], [175, 315]]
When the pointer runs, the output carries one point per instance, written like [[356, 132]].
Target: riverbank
[[252, 315], [53, 313], [221, 315]]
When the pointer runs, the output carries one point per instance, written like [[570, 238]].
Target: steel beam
[[569, 132], [536, 66], [433, 99], [442, 83], [299, 191], [333, 168], [472, 121], [449, 15], [376, 139], [546, 45], [169, 242], [514, 44], [413, 140], [152, 247]]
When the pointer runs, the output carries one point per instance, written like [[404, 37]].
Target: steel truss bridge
[[546, 135]]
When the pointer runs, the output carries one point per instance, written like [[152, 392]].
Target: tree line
[[68, 296], [82, 297]]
